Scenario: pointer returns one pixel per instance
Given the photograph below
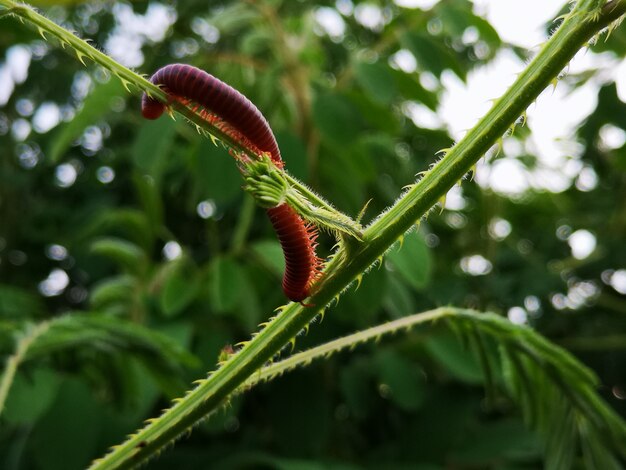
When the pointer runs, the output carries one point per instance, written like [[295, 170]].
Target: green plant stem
[[13, 361], [370, 334]]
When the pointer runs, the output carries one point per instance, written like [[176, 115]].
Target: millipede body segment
[[195, 87]]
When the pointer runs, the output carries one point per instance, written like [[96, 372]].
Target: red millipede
[[191, 85]]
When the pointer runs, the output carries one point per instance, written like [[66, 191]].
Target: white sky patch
[[553, 118], [47, 116], [370, 15], [18, 61], [56, 252], [618, 281], [421, 116], [612, 137], [13, 71], [133, 30], [554, 180], [520, 23], [172, 250], [455, 200], [404, 60], [582, 243], [65, 175], [331, 22], [476, 265], [20, 129], [6, 85], [206, 209], [423, 4], [462, 104], [587, 179], [505, 176], [55, 283], [499, 228], [205, 30], [620, 80], [517, 315], [580, 293], [105, 174], [92, 139]]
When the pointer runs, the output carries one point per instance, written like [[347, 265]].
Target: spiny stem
[[333, 221], [370, 334], [271, 187]]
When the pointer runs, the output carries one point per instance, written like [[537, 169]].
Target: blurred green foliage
[[141, 231]]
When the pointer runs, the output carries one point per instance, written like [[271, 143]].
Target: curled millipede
[[202, 91]]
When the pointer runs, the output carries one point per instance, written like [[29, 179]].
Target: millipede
[[210, 97]]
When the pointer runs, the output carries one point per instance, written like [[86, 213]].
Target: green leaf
[[18, 303], [431, 54], [249, 309], [95, 107], [215, 173], [71, 445], [410, 87], [108, 335], [377, 81], [357, 388], [412, 260], [117, 289], [132, 223], [234, 17], [31, 394], [271, 255], [405, 380], [398, 299], [294, 152], [148, 192], [181, 285], [365, 299], [225, 280], [153, 146], [126, 254], [337, 118], [457, 17], [505, 439], [446, 349]]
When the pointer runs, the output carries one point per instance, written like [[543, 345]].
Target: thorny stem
[[587, 18]]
